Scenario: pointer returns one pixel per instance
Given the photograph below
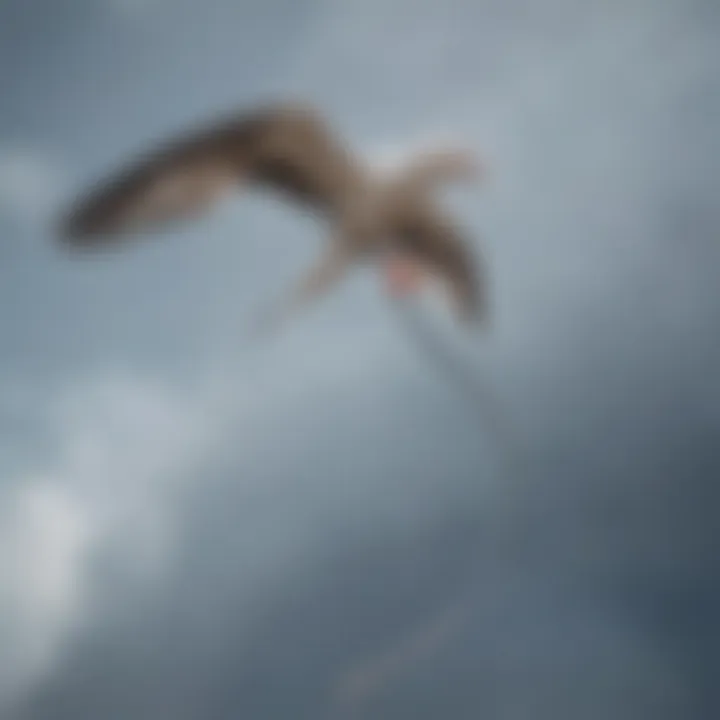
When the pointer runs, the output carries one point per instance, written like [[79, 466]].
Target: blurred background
[[196, 527]]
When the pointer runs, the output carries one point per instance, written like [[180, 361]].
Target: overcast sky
[[198, 528]]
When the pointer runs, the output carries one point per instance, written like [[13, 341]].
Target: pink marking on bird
[[404, 276]]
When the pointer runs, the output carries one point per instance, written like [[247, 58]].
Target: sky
[[195, 526]]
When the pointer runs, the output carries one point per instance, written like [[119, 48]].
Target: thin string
[[464, 376]]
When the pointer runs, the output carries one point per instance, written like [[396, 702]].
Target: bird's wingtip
[[69, 232], [81, 228]]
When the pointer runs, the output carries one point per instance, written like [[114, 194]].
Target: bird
[[291, 149]]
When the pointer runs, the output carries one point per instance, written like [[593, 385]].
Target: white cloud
[[122, 450], [43, 538], [120, 445]]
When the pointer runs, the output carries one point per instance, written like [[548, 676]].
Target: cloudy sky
[[196, 527]]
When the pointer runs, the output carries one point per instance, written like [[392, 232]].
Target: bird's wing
[[430, 168], [288, 148], [444, 252]]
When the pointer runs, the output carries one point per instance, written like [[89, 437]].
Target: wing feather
[[447, 255], [288, 148]]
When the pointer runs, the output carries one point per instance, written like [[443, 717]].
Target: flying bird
[[291, 149]]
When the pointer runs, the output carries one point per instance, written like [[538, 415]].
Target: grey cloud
[[336, 523], [582, 592]]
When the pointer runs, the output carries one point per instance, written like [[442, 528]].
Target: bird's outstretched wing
[[289, 148], [443, 251], [431, 168]]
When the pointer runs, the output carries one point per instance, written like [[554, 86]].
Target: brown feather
[[441, 249], [287, 148]]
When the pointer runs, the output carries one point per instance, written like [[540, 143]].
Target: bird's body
[[290, 149]]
